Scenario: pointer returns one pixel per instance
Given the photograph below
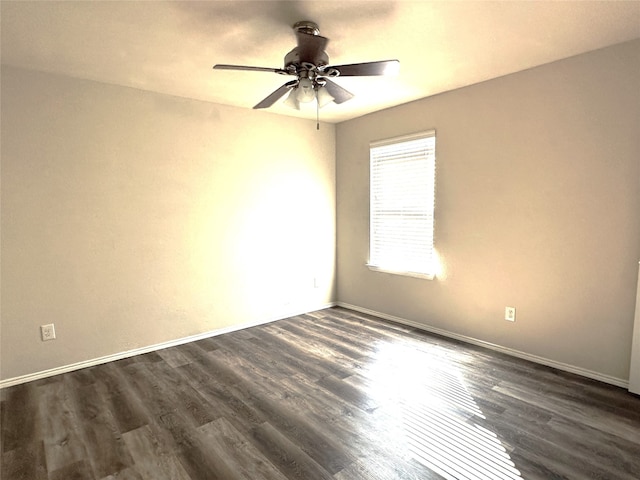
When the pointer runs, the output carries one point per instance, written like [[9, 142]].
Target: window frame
[[430, 258]]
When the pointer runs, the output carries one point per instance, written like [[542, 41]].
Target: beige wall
[[537, 207], [131, 218]]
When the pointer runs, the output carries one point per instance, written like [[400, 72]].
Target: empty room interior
[[194, 285]]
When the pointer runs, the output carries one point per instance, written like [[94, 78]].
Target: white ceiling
[[170, 47]]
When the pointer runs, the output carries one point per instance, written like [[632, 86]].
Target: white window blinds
[[402, 204]]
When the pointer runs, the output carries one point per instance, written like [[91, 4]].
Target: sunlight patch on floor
[[438, 420]]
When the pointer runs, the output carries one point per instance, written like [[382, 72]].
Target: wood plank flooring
[[329, 395]]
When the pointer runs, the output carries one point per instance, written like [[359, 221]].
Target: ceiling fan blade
[[221, 66], [338, 93], [385, 67], [275, 96], [311, 47]]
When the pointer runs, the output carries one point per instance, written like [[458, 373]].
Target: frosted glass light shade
[[324, 97], [305, 91], [292, 99]]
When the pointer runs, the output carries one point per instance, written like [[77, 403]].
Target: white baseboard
[[172, 343], [619, 382], [139, 351]]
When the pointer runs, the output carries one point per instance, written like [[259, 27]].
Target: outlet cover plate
[[510, 314], [48, 332]]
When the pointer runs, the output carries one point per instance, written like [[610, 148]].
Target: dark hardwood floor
[[329, 395]]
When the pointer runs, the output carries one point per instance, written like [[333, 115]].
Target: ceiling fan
[[309, 63]]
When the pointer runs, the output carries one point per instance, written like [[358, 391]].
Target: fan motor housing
[[293, 59]]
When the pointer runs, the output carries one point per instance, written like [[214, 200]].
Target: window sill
[[426, 276]]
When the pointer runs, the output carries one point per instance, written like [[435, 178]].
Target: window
[[402, 205]]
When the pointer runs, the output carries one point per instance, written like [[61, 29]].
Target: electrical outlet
[[48, 332], [510, 314]]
